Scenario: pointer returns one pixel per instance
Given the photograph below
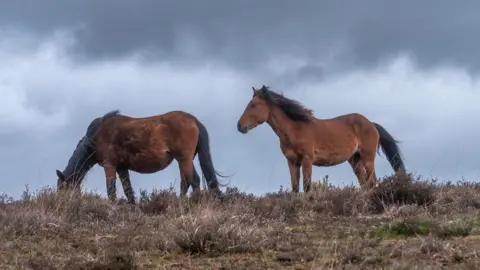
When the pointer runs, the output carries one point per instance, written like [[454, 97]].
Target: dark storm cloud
[[245, 33]]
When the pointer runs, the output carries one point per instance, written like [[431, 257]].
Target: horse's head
[[81, 161], [256, 112], [67, 182]]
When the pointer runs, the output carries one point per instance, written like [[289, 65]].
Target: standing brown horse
[[120, 143], [306, 141]]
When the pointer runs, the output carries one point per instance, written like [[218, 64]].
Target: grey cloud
[[310, 73], [246, 33], [323, 36], [436, 32]]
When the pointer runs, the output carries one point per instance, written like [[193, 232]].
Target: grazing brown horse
[[306, 141], [120, 143]]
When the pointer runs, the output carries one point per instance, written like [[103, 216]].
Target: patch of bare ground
[[404, 223]]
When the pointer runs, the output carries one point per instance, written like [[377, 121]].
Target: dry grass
[[405, 223]]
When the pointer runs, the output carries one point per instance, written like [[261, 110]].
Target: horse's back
[[172, 119], [363, 129], [350, 118], [179, 119], [353, 121], [174, 128], [347, 129]]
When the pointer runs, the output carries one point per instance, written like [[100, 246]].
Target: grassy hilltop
[[405, 223]]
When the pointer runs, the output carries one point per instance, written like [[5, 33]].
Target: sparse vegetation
[[404, 223]]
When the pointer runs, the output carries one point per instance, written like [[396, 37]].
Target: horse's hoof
[[219, 195]]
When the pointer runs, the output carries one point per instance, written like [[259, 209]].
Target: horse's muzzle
[[241, 128]]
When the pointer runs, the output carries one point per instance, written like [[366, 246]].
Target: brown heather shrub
[[347, 201], [331, 226], [219, 232], [401, 189], [157, 201]]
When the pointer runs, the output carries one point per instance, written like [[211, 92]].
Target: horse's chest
[[290, 153]]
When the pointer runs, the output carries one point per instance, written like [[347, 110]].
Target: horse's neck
[[281, 125], [82, 160]]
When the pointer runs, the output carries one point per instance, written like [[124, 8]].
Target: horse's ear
[[254, 91], [60, 175]]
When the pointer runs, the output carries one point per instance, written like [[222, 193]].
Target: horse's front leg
[[294, 176], [307, 174], [111, 178]]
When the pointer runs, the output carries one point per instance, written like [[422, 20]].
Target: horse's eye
[[252, 105]]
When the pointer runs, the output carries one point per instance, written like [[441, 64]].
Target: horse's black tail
[[390, 147], [205, 158]]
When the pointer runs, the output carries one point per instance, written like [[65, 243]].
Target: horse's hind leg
[[189, 176], [359, 169], [196, 177], [186, 185], [183, 185], [368, 159], [124, 176], [371, 177]]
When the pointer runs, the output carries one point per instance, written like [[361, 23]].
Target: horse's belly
[[150, 164], [331, 159], [328, 162], [331, 153]]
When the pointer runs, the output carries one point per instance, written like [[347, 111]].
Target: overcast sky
[[410, 66]]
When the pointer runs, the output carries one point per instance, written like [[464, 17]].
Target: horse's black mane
[[82, 159], [93, 126], [292, 108]]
